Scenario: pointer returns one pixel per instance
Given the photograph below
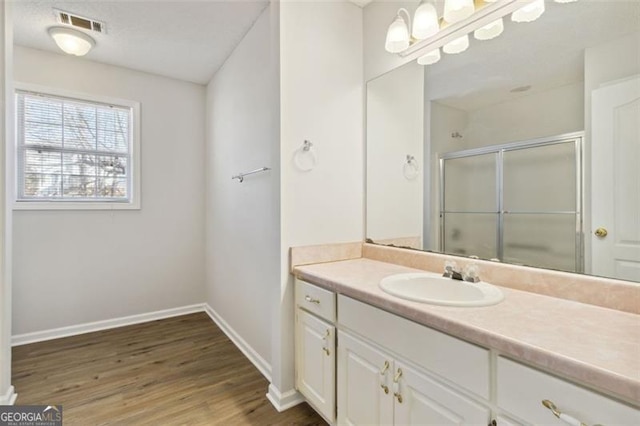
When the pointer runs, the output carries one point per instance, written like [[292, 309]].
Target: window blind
[[71, 149]]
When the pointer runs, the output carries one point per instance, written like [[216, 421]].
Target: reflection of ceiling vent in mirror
[[77, 21]]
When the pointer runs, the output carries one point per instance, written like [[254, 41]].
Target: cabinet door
[[316, 362], [420, 400], [364, 383]]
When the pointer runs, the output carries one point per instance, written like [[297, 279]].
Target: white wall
[[547, 113], [243, 222], [73, 267], [322, 101], [395, 104], [7, 394]]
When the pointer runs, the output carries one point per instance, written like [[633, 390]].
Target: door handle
[[601, 232]]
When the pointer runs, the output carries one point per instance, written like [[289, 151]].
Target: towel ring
[[305, 157], [411, 169]]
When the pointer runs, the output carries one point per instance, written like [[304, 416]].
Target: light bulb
[[430, 58], [489, 31], [530, 12], [425, 21], [457, 46], [397, 36], [457, 10], [71, 41]]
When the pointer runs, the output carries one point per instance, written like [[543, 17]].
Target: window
[[75, 152]]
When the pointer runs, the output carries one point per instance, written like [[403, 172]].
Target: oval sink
[[437, 290]]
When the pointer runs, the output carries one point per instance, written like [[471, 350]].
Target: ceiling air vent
[[77, 21]]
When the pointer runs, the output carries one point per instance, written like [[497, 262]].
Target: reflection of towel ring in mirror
[[305, 157], [411, 169]]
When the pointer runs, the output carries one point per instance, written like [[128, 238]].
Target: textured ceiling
[[188, 40], [545, 54]]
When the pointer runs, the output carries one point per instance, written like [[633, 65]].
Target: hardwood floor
[[178, 371]]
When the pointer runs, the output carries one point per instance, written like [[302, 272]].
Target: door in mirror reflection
[[616, 180]]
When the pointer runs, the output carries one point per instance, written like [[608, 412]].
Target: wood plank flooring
[[177, 371]]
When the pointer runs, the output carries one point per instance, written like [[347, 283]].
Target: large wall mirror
[[523, 149]]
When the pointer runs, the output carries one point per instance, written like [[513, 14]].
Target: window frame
[[133, 203]]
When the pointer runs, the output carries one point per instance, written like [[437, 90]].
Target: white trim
[[284, 401], [73, 330], [260, 363], [9, 398], [135, 142]]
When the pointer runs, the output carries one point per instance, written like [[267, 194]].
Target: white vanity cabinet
[[393, 371], [315, 347], [383, 384], [521, 390]]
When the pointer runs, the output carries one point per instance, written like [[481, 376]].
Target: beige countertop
[[596, 346]]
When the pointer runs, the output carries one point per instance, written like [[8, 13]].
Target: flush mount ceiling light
[[72, 41], [566, 1]]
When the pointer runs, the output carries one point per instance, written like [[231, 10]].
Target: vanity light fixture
[[72, 41], [426, 24], [530, 12], [458, 45], [425, 21], [457, 10], [398, 33], [490, 31], [430, 58]]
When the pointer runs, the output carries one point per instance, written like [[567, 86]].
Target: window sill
[[75, 205]]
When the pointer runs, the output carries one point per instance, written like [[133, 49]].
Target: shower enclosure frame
[[577, 138]]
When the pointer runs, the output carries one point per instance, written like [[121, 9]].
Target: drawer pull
[[562, 416], [396, 386], [327, 333], [385, 388], [312, 300], [326, 351], [385, 368]]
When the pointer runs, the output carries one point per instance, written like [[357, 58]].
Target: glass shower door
[[540, 206], [517, 202], [469, 215]]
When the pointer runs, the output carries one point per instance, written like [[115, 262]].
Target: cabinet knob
[[385, 388], [326, 351]]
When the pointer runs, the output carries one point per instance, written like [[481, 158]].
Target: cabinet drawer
[[316, 300], [522, 389], [455, 360]]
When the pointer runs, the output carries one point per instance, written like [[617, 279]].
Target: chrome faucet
[[452, 270], [469, 274]]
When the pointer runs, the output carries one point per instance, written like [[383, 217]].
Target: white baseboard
[[56, 333], [261, 364], [9, 398], [283, 401]]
